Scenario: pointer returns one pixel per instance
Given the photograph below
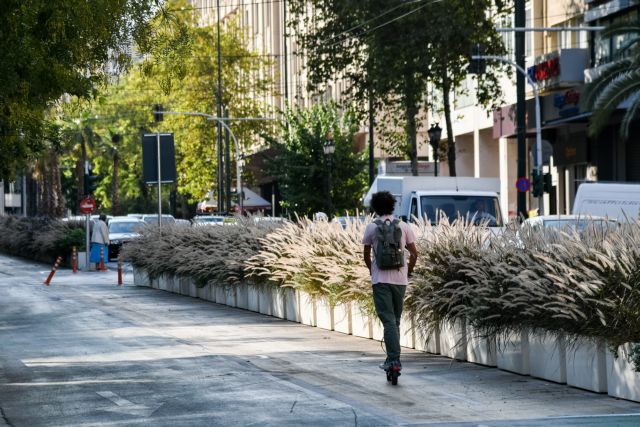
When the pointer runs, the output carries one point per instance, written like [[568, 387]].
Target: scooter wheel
[[394, 377]]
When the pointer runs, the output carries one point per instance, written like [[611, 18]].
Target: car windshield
[[124, 227], [478, 209]]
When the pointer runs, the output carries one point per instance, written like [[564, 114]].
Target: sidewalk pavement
[[84, 351]]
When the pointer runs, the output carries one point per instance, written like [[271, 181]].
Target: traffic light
[[537, 184], [547, 182], [157, 113], [477, 66], [90, 183]]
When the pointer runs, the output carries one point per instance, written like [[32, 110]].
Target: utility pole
[[219, 114], [285, 57], [227, 164], [521, 124], [371, 124]]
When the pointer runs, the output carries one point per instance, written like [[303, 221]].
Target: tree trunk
[[451, 143], [57, 201], [115, 185], [411, 111]]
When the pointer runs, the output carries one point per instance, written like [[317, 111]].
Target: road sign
[[523, 184], [87, 205]]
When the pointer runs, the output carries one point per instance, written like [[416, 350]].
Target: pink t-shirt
[[394, 277]]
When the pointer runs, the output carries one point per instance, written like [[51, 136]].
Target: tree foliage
[[56, 47], [302, 169], [618, 81], [392, 50]]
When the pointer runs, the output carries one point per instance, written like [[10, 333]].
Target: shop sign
[[561, 104], [570, 151], [564, 68]]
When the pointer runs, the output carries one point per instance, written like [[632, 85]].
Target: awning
[[572, 119], [253, 201]]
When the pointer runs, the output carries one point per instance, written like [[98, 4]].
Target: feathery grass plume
[[205, 253]]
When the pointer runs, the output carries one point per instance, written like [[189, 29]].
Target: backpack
[[388, 252]]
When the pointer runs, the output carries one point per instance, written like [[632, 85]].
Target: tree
[[56, 47], [392, 50], [617, 81], [301, 168]]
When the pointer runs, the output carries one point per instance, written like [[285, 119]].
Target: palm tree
[[618, 81]]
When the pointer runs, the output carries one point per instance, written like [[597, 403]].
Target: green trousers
[[389, 300]]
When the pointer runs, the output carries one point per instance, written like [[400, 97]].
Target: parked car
[[614, 200], [569, 222], [135, 215], [183, 222], [344, 220], [153, 219], [121, 231], [204, 220]]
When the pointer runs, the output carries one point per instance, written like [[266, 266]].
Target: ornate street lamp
[[329, 148], [434, 139]]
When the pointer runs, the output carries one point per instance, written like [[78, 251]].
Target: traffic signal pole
[[159, 182], [87, 249], [520, 18]]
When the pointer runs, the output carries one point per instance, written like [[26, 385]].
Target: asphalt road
[[86, 352]]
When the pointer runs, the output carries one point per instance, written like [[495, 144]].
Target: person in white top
[[100, 239], [389, 282]]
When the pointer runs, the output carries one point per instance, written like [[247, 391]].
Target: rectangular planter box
[[230, 295], [202, 292], [307, 309], [547, 357], [220, 294], [253, 298], [155, 283], [587, 365], [193, 289], [429, 343], [513, 352], [278, 303], [185, 285], [292, 306], [622, 379], [342, 318], [481, 350], [453, 340], [324, 314], [407, 336], [377, 330], [140, 277], [242, 296], [360, 321], [265, 296], [162, 282]]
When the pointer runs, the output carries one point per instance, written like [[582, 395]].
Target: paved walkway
[[85, 352]]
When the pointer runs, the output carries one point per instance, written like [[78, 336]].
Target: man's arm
[[413, 256], [367, 256]]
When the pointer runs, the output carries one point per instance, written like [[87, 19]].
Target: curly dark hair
[[383, 203]]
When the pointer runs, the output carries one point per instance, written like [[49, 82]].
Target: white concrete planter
[[278, 303], [230, 295], [513, 352], [622, 379], [155, 283], [184, 285], [587, 365], [220, 294], [265, 297], [429, 343], [481, 350], [453, 340], [193, 289], [547, 357], [202, 292], [253, 298], [324, 314], [360, 321], [163, 282], [307, 309], [377, 330], [342, 318], [140, 277], [292, 304], [407, 328], [242, 296]]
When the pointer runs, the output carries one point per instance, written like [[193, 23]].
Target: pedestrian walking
[[100, 241], [388, 238]]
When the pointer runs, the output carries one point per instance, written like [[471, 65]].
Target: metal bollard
[[74, 260], [53, 270], [119, 270], [102, 268]]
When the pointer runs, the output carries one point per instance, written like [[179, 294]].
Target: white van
[[612, 200]]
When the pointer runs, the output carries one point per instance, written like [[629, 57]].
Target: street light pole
[[329, 148], [219, 111]]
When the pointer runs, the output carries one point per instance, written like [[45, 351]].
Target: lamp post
[[435, 132], [329, 148]]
